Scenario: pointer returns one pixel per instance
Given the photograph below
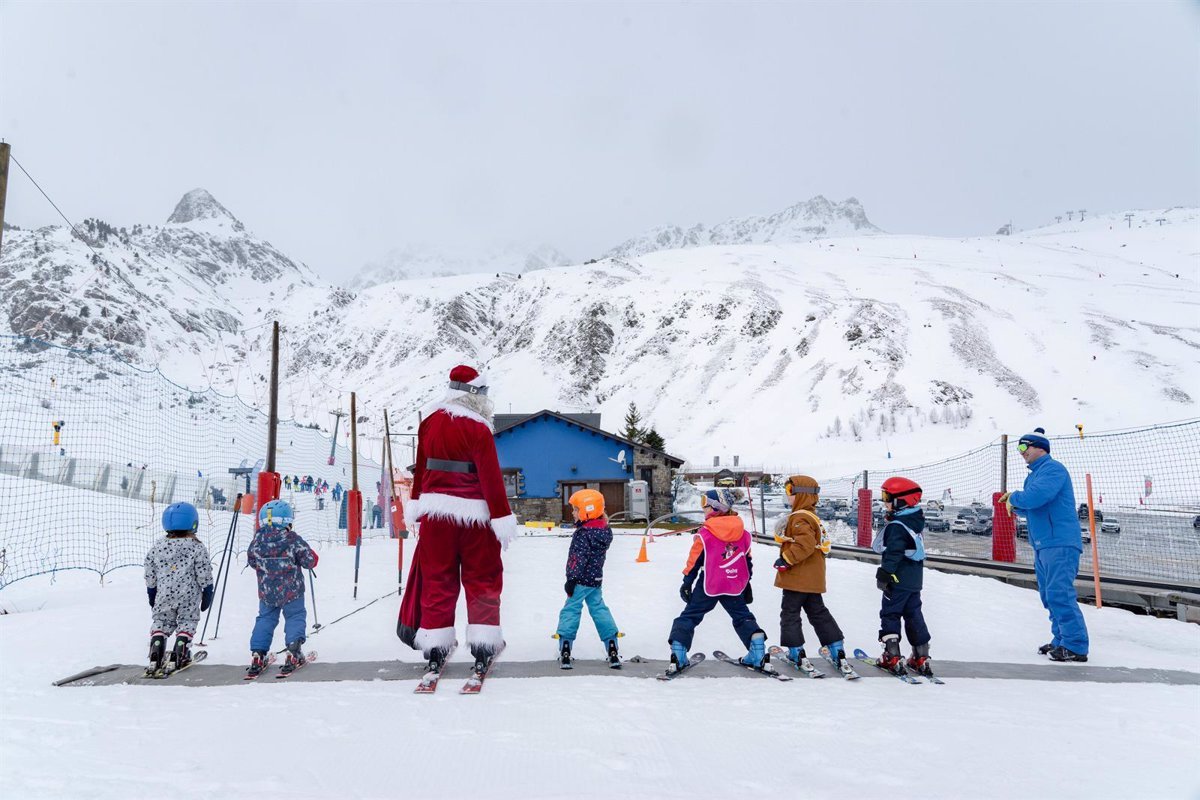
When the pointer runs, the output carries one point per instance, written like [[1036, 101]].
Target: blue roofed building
[[546, 457]]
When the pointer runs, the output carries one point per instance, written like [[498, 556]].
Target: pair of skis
[[901, 672], [567, 661], [698, 658], [165, 670], [474, 683], [806, 668], [284, 671]]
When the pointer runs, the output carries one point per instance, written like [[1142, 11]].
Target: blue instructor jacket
[[1048, 503]]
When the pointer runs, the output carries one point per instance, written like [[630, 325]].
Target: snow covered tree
[[653, 439], [633, 421]]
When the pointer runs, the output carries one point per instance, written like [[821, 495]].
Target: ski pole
[[221, 565], [313, 592], [225, 583]]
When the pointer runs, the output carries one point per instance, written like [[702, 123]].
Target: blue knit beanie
[[1036, 439]]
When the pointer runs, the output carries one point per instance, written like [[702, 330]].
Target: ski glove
[[884, 579], [206, 597], [782, 565], [685, 591], [569, 588], [748, 594], [151, 592], [1007, 502]]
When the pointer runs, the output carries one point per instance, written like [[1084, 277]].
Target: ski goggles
[[1022, 447], [889, 497], [790, 488]]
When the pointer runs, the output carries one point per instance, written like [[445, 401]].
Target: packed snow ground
[[586, 737]]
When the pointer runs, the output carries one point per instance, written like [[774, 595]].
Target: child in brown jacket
[[800, 572]]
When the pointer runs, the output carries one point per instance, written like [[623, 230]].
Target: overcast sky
[[340, 130]]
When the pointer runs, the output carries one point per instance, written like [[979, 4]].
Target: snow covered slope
[[829, 353], [415, 262], [813, 219]]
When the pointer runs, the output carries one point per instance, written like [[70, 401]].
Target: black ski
[[693, 660], [290, 667], [167, 670], [767, 670], [87, 673]]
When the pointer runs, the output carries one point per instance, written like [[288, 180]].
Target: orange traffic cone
[[642, 557]]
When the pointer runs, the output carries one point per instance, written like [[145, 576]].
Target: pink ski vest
[[725, 569]]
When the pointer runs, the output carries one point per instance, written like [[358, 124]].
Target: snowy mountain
[[852, 349], [159, 293], [417, 261], [817, 218]]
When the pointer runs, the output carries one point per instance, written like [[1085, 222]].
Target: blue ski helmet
[[180, 517], [275, 514]]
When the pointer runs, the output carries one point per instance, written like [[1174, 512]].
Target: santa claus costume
[[459, 499]]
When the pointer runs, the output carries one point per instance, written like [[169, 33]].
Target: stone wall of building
[[660, 475], [529, 509]]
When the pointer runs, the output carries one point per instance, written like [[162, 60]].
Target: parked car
[[1022, 528], [1083, 513], [1085, 534], [826, 512], [986, 511], [980, 527], [1196, 522], [960, 525], [936, 523], [936, 505], [1110, 525]]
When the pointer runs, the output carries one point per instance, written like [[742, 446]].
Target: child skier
[[900, 574], [277, 554], [585, 572], [721, 554], [179, 583], [800, 572]]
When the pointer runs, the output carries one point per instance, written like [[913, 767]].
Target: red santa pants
[[449, 554]]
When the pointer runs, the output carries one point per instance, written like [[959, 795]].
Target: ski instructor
[[459, 498]]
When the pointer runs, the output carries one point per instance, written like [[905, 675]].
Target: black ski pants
[[791, 632], [901, 603]]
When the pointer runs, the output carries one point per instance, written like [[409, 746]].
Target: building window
[[514, 482], [647, 474]]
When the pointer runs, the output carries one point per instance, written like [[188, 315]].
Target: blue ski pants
[[295, 618], [1056, 568], [903, 603], [568, 618], [684, 626]]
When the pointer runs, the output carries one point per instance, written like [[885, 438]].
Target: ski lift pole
[[223, 563]]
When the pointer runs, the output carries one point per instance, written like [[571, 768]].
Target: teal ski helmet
[[275, 514]]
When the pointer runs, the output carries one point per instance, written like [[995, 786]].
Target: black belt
[[443, 465]]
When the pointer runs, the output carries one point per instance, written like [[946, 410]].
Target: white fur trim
[[459, 410], [464, 510], [505, 528], [429, 638], [411, 513], [490, 636]]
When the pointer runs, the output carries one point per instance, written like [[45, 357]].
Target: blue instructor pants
[[684, 627], [295, 618], [1056, 568], [568, 618]]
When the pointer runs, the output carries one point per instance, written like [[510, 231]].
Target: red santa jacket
[[455, 433]]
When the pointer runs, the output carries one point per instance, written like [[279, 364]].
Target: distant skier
[[585, 573], [179, 583], [278, 554], [901, 574], [1047, 501], [800, 573], [720, 561]]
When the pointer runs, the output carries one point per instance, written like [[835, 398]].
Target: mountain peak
[[197, 205]]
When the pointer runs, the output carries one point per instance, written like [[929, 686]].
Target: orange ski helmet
[[588, 503]]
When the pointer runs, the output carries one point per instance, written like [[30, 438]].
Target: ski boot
[[295, 658], [484, 656], [181, 654], [158, 652], [614, 657], [757, 655], [1045, 649], [891, 660], [918, 662], [1061, 653], [837, 656], [679, 658], [564, 654], [258, 663], [797, 656]]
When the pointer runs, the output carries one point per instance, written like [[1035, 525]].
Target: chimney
[[716, 461]]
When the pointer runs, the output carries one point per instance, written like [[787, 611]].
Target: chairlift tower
[[337, 417]]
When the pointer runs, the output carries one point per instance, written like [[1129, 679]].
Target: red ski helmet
[[901, 492]]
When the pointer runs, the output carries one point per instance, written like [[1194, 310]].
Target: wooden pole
[[4, 151], [274, 417], [1095, 544], [1004, 462]]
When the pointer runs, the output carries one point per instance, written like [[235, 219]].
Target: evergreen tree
[[633, 420], [653, 439]]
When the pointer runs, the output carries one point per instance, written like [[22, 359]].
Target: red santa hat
[[467, 379]]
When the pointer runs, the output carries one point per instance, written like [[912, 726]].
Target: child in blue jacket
[[900, 576], [278, 554], [585, 573]]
